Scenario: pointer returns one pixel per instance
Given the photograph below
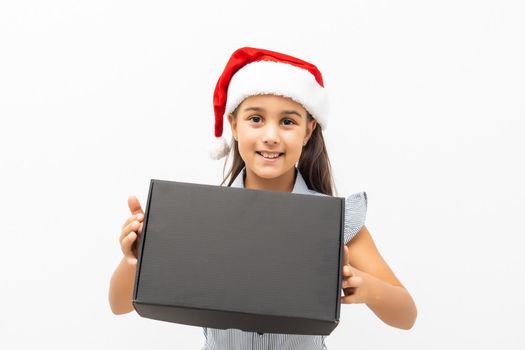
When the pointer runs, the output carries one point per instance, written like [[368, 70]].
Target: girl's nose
[[271, 135]]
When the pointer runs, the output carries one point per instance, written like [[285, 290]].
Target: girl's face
[[267, 126]]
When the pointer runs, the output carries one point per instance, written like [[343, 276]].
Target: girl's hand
[[131, 228], [354, 283]]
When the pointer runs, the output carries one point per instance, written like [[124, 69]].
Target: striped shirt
[[236, 339]]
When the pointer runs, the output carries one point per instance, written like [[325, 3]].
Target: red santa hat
[[251, 71]]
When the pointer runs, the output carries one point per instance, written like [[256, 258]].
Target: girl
[[276, 106]]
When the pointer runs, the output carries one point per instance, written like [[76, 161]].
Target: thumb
[[134, 205]]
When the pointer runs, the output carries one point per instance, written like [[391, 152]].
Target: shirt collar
[[299, 185]]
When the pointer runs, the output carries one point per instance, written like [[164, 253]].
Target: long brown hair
[[313, 164]]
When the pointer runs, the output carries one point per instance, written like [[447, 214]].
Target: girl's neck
[[283, 183]]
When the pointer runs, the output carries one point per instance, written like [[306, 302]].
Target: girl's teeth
[[271, 156]]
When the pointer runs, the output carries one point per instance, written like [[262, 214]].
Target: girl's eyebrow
[[259, 109]]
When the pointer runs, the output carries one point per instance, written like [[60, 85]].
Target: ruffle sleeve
[[355, 214]]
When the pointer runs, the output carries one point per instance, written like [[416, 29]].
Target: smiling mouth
[[274, 157]]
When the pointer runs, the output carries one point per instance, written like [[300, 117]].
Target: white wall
[[98, 97]]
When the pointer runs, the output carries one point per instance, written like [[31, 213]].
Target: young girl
[[276, 106]]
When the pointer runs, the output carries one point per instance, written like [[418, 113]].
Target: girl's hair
[[313, 164]]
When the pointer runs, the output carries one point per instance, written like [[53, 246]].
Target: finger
[[138, 217], [353, 282], [347, 256], [127, 244], [132, 226], [134, 205], [347, 271], [126, 230], [129, 249]]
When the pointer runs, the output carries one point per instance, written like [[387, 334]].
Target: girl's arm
[[385, 295], [121, 287]]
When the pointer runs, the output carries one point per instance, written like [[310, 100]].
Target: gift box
[[254, 260]]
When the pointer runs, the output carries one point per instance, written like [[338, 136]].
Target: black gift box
[[226, 257]]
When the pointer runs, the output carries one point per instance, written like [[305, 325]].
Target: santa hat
[[251, 71]]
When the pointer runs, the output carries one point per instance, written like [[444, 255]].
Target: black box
[[226, 257]]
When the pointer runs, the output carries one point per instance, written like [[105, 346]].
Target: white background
[[98, 97]]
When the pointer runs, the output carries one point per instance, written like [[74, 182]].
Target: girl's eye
[[256, 119]]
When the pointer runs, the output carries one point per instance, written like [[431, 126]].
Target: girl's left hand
[[355, 283]]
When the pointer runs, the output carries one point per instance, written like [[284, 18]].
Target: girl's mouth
[[271, 157]]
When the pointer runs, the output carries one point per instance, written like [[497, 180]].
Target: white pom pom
[[219, 149]]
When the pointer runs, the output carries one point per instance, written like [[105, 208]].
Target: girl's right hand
[[130, 230]]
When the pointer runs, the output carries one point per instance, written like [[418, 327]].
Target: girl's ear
[[310, 127], [233, 125]]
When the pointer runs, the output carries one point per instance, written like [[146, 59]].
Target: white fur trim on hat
[[219, 148], [276, 78]]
